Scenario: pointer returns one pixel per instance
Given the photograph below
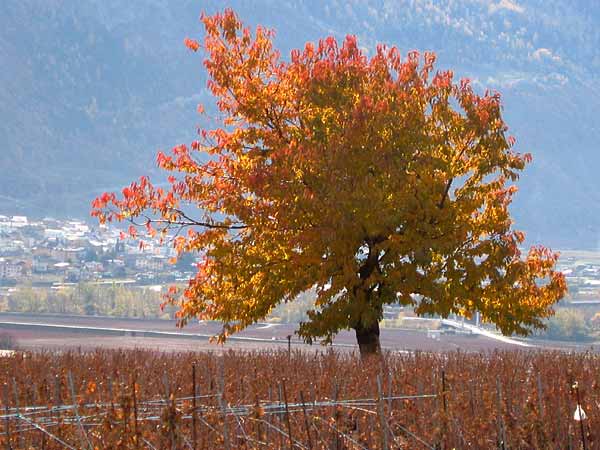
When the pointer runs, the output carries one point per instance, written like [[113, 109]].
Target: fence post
[[570, 439], [306, 425], [336, 416], [501, 431], [36, 401], [540, 395], [280, 414], [7, 412], [444, 424], [136, 436], [17, 411], [579, 408], [471, 397], [287, 416], [226, 443], [381, 411], [259, 431], [193, 406], [390, 390], [268, 429], [57, 403], [444, 392], [171, 410], [111, 395]]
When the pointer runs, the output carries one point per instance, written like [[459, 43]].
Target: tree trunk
[[368, 339]]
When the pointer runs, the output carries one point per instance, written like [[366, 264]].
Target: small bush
[[568, 324], [7, 342]]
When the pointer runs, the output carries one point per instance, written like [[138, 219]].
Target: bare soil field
[[33, 332]]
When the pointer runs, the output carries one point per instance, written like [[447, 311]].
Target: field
[[39, 332], [53, 332], [305, 400]]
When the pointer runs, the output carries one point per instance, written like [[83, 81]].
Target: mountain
[[90, 90]]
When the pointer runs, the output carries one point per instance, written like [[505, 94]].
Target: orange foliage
[[375, 180]]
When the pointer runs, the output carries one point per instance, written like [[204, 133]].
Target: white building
[[10, 270], [18, 221]]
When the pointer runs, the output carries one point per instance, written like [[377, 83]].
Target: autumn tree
[[371, 179]]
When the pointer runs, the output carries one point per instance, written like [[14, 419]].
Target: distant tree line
[[88, 299], [571, 324], [121, 301], [568, 324]]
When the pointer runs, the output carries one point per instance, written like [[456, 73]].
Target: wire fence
[[22, 423], [295, 400]]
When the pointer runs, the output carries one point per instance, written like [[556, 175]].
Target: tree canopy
[[371, 179]]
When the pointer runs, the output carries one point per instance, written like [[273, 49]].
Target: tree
[[595, 321], [373, 180], [567, 324]]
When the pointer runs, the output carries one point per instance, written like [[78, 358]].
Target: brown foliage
[[522, 397]]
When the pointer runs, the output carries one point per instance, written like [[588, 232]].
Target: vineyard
[[299, 400]]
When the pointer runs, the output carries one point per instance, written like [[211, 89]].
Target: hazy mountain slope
[[91, 89]]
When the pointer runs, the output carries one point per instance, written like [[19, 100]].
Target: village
[[59, 252], [45, 264], [54, 253]]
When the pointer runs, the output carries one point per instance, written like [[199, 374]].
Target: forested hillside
[[90, 90]]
